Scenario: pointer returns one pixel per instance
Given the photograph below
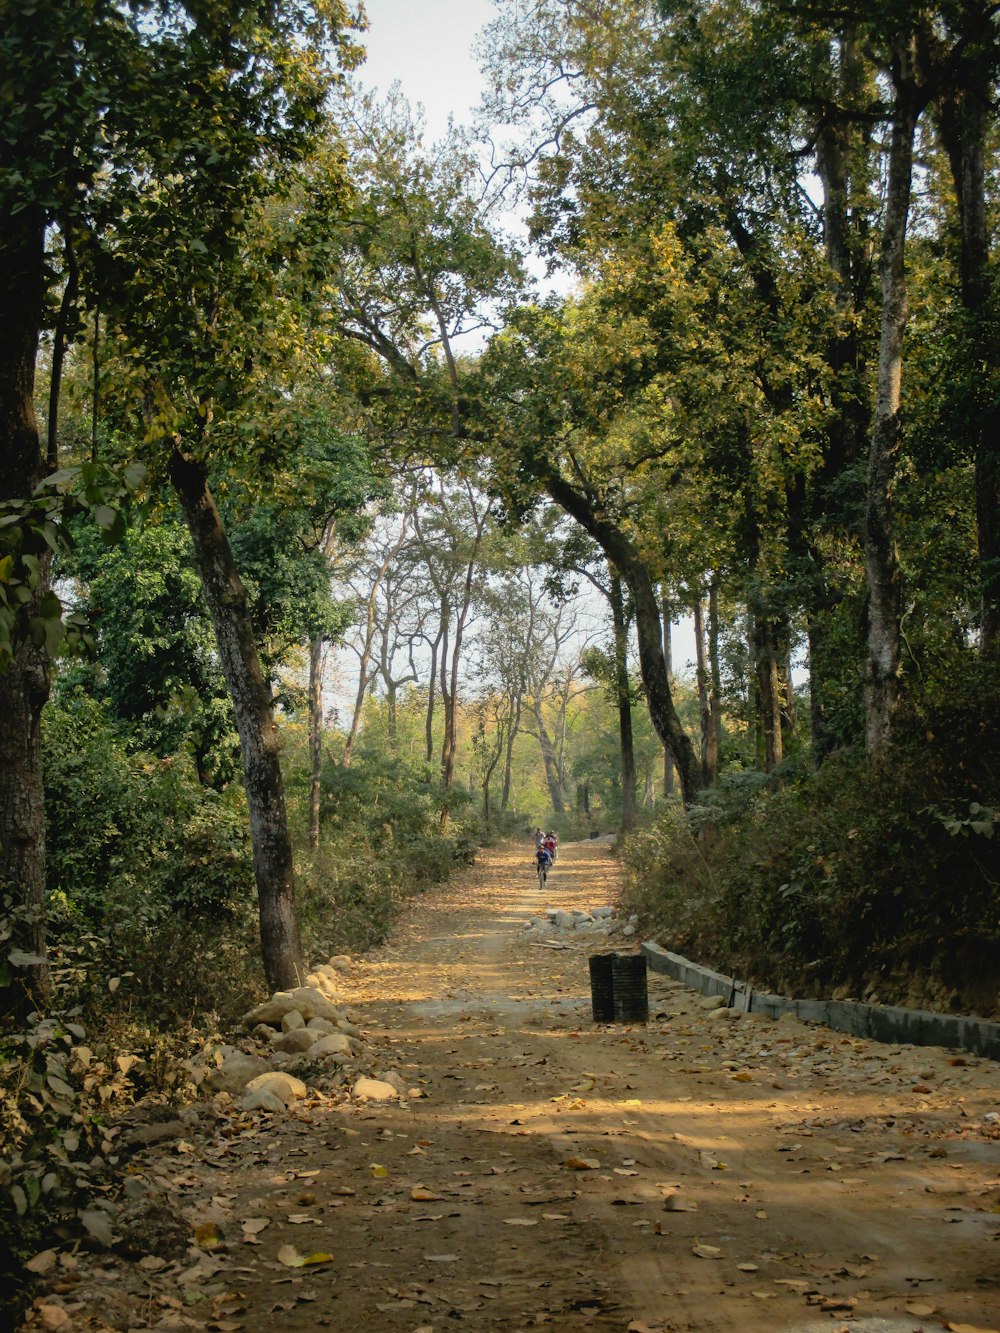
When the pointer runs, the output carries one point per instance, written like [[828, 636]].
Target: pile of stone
[[300, 1039], [598, 921]]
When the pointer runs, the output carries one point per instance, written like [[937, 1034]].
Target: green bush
[[884, 881]]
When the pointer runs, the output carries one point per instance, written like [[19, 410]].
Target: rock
[[321, 1025], [320, 981], [340, 963], [374, 1090], [165, 1129], [333, 1043], [296, 1041], [263, 1032], [602, 913], [280, 1059], [393, 1079], [345, 1025], [292, 1020], [285, 1086], [712, 1002], [236, 1072], [722, 1013], [628, 930], [310, 1003], [262, 1099], [565, 920]]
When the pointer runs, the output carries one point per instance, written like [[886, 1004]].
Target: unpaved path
[[751, 1176]]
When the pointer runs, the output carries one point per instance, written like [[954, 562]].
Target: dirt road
[[700, 1173]]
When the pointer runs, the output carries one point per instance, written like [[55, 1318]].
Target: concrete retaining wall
[[914, 1027]]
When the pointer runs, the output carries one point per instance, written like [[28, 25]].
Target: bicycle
[[542, 871]]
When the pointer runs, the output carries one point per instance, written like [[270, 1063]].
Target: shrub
[[884, 880]]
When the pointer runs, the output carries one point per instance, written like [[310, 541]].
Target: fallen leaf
[[581, 1163], [520, 1221], [920, 1309], [441, 1258], [421, 1194], [764, 1295], [254, 1225], [706, 1251], [52, 1317], [43, 1262], [379, 1171], [152, 1263], [748, 1268], [209, 1237], [968, 1328]]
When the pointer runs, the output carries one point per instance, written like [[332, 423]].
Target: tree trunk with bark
[[649, 630], [24, 684], [317, 654], [254, 712], [550, 759], [965, 114], [767, 692], [881, 558], [666, 614], [623, 695]]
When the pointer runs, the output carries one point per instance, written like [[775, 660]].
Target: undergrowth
[[883, 882]]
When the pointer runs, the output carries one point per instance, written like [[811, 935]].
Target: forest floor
[[698, 1173]]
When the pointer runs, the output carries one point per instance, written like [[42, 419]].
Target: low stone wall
[[915, 1027]]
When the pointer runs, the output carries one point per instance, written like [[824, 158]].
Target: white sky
[[427, 46]]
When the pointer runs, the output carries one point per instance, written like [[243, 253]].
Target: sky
[[427, 46]]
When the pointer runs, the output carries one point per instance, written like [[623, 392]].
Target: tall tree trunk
[[508, 758], [704, 693], [636, 575], [715, 684], [881, 557], [964, 115], [666, 614], [254, 713], [764, 649], [432, 689], [549, 759], [24, 684], [317, 650], [623, 691]]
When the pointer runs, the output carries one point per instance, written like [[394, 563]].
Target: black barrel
[[601, 988], [628, 986]]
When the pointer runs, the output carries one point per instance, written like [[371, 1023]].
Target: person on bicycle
[[551, 842], [543, 860]]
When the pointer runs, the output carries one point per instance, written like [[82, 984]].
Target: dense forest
[[335, 538]]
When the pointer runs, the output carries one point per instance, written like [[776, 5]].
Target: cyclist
[[551, 842], [543, 860]]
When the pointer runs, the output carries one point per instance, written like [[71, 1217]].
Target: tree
[[155, 134]]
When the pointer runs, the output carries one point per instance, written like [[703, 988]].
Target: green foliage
[[883, 880], [33, 530], [135, 842]]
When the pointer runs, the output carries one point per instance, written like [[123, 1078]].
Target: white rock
[[724, 1013], [293, 1019], [285, 1086], [321, 1025], [374, 1090], [262, 1099], [628, 930], [340, 963], [263, 1032], [712, 1002], [602, 913], [565, 920]]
